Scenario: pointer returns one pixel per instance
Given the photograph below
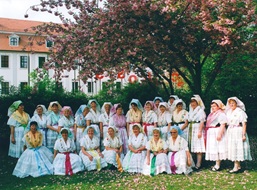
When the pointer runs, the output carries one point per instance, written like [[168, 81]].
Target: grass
[[107, 179]]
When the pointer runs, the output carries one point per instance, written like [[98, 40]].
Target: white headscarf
[[199, 101], [239, 103]]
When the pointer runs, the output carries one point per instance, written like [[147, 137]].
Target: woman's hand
[[199, 135], [100, 154], [90, 158], [244, 137], [13, 140], [148, 161], [189, 163], [219, 137]]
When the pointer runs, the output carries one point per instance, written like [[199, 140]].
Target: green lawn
[[107, 179]]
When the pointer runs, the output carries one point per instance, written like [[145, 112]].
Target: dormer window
[[49, 43], [14, 40]]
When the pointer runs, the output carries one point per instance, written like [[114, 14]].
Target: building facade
[[18, 60]]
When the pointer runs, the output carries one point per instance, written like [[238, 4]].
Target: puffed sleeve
[[147, 146], [57, 144], [165, 146], [61, 122]]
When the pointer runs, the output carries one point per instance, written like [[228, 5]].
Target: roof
[[17, 27]]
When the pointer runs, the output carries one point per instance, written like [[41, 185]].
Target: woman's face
[[174, 133], [107, 108], [179, 107], [214, 107], [156, 134], [66, 113], [21, 108], [148, 107], [90, 132], [111, 132], [33, 128], [39, 110], [232, 104], [65, 135], [136, 130], [119, 111], [134, 106], [157, 102], [85, 111], [194, 104], [55, 108], [163, 109], [171, 100], [93, 105]]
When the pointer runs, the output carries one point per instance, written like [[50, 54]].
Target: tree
[[163, 35]]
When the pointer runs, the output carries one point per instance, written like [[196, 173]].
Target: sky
[[17, 9]]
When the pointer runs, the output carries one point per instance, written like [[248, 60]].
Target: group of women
[[159, 137]]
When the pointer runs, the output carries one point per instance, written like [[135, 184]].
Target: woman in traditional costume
[[80, 124], [90, 152], [149, 119], [157, 100], [180, 117], [93, 116], [36, 160], [196, 119], [171, 103], [113, 149], [179, 157], [156, 161], [134, 159], [67, 120], [40, 116], [134, 115], [66, 161], [53, 117], [164, 120], [118, 120], [18, 121], [215, 132], [237, 138], [105, 118]]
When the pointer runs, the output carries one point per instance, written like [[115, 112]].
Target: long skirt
[[34, 162], [161, 165], [15, 150], [216, 150], [148, 131], [96, 164], [79, 135], [197, 144], [110, 157], [59, 163], [133, 162], [238, 150], [124, 138], [51, 138], [180, 162]]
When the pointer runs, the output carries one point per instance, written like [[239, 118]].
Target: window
[[118, 85], [24, 61], [90, 87], [5, 88], [41, 61], [14, 40], [75, 86], [104, 86], [23, 85], [4, 61], [49, 43]]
